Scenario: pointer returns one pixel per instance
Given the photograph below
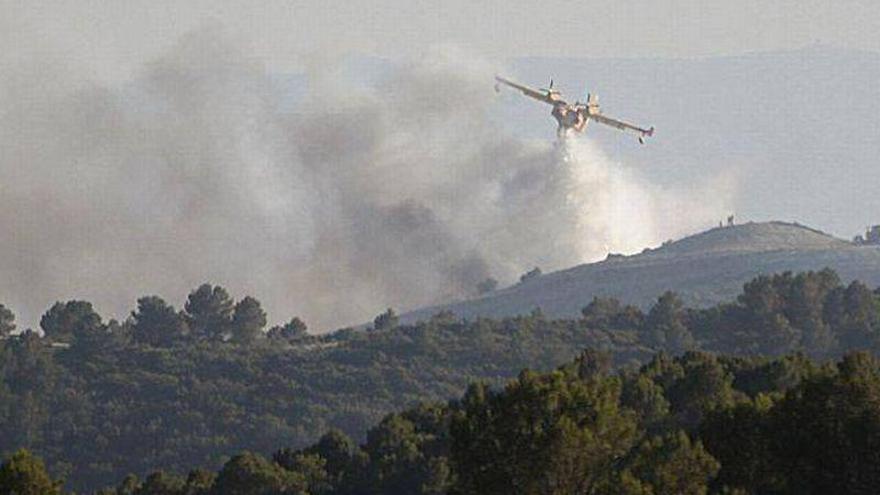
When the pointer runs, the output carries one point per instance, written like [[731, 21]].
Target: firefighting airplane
[[573, 116]]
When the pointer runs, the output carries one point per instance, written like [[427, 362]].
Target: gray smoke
[[361, 199]]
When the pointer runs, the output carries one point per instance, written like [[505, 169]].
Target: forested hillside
[[691, 425], [175, 390]]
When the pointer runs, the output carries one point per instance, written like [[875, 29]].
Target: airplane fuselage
[[569, 117]]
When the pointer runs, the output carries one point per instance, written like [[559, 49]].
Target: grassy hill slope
[[705, 269]]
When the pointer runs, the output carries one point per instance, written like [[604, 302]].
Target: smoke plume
[[194, 170]]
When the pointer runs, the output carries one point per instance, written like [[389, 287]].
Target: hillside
[[167, 390], [705, 269]]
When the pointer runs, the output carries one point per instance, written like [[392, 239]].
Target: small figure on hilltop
[[871, 237]]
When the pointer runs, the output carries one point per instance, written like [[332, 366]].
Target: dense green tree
[[386, 321], [161, 483], [24, 474], [852, 311], [826, 431], [70, 321], [768, 376], [252, 474], [673, 464], [311, 469], [399, 463], [761, 327], [199, 482], [740, 437], [248, 320], [343, 461], [209, 312], [544, 434], [591, 364], [642, 395], [28, 366], [7, 322], [128, 485], [665, 325], [157, 323], [293, 330], [703, 385], [804, 309], [608, 313], [623, 483]]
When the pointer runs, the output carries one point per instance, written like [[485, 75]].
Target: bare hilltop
[[704, 269]]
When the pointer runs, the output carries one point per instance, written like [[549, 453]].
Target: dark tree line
[[209, 314], [810, 312]]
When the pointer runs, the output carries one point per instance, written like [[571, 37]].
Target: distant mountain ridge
[[705, 269]]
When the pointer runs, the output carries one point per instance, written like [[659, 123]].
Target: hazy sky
[[111, 37]]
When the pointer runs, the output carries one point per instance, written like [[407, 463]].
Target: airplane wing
[[531, 93], [623, 126]]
